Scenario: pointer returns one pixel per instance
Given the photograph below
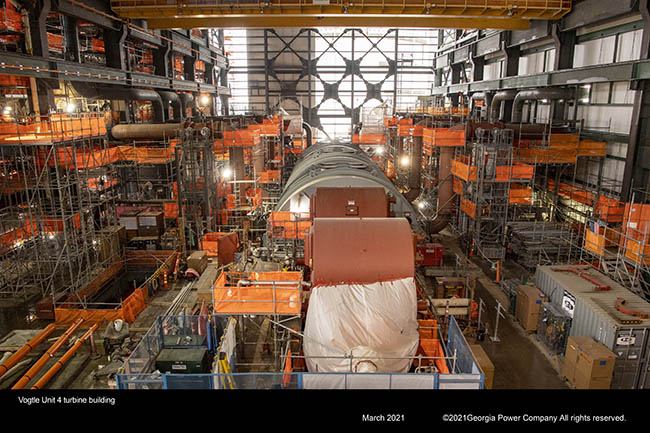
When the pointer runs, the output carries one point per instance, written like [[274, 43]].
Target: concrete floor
[[520, 360]]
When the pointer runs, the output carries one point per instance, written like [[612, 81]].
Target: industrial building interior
[[324, 195]]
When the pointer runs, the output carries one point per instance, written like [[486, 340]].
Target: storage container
[[594, 314]]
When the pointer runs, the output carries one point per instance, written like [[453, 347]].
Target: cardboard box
[[198, 261], [484, 364], [529, 303], [588, 364]]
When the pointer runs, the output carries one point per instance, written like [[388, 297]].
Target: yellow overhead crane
[[481, 14]]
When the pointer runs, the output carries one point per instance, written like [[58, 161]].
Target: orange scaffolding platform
[[258, 293], [288, 225]]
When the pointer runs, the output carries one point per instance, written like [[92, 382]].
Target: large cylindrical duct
[[497, 100], [123, 94], [172, 98], [187, 101], [550, 93], [445, 191], [486, 97], [415, 169], [144, 131]]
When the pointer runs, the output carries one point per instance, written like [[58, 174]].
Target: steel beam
[[304, 21]]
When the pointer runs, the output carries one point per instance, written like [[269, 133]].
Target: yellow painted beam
[[301, 21], [528, 9]]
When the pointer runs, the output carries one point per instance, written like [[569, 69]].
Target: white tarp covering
[[371, 321]]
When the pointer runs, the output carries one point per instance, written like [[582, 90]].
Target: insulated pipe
[[149, 131], [552, 93], [20, 354], [415, 169], [308, 134], [123, 94], [65, 358], [172, 98], [187, 101], [495, 105], [445, 190], [47, 356], [486, 97]]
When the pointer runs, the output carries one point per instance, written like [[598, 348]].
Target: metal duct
[[495, 105], [148, 131], [415, 170], [445, 191], [172, 98], [187, 101], [123, 94], [309, 133], [337, 165], [486, 97], [552, 93]]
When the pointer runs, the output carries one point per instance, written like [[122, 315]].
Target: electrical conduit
[[20, 354], [46, 357], [59, 364]]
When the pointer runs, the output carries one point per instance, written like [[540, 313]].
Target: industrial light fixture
[[70, 108], [226, 173], [8, 109], [404, 161], [422, 204], [379, 150], [50, 237], [205, 99]]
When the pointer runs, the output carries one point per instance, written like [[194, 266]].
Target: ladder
[[228, 382]]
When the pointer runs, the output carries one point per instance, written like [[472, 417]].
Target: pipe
[[187, 101], [172, 98], [20, 354], [495, 105], [445, 191], [59, 364], [123, 94], [46, 357], [150, 131], [486, 97], [415, 169], [552, 93], [309, 133]]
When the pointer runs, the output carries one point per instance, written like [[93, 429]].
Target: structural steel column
[[113, 47], [71, 37], [638, 147], [38, 32]]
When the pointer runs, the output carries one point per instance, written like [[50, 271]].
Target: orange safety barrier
[[269, 176], [443, 137], [520, 194], [460, 168], [10, 20], [240, 137], [94, 286], [609, 209], [545, 155], [18, 235], [56, 128], [288, 368], [14, 80], [171, 210], [468, 207], [288, 225], [55, 224], [457, 186], [592, 148], [430, 347], [55, 42], [374, 138], [258, 293], [573, 193], [637, 252]]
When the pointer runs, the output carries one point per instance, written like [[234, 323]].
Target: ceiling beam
[[304, 21]]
